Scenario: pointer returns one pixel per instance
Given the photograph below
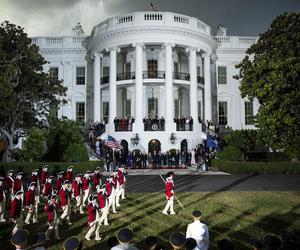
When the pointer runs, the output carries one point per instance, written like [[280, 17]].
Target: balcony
[[184, 124], [154, 124], [123, 124], [181, 76], [125, 76], [154, 74]]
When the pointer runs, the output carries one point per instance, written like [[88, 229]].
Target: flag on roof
[[113, 143]]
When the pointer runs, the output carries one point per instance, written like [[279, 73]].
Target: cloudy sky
[[57, 17]]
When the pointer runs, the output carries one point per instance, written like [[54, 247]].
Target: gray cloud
[[57, 17]]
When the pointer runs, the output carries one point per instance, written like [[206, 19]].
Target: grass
[[238, 215]]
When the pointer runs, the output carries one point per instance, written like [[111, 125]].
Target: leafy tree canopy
[[270, 72], [26, 92]]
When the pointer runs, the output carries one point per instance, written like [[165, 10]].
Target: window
[[199, 110], [80, 75], [152, 68], [53, 74], [152, 107], [222, 75], [223, 113], [105, 71], [80, 112], [105, 111], [249, 113]]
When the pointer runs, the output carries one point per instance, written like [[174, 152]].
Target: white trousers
[[79, 203], [2, 210], [112, 201], [85, 195], [66, 213], [31, 212], [53, 225], [170, 203], [94, 227], [18, 224]]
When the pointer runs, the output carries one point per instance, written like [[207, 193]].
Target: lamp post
[[173, 139], [135, 140]]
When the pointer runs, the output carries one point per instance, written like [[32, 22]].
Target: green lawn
[[238, 215]]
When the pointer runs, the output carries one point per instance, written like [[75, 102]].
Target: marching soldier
[[2, 200], [44, 175], [29, 203], [97, 178], [103, 204], [121, 189], [18, 185], [37, 190], [69, 174], [48, 190], [93, 219], [16, 215], [86, 186], [65, 199], [59, 181], [51, 208], [77, 193], [9, 184], [111, 194], [169, 194]]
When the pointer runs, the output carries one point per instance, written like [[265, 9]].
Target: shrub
[[76, 153], [230, 153]]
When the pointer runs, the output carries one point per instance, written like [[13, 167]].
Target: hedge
[[240, 167], [54, 167]]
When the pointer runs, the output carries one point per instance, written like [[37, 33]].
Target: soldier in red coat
[[86, 186], [43, 177], [65, 199], [37, 191], [59, 181], [93, 219], [51, 208], [97, 178], [111, 192], [9, 184], [103, 204], [77, 193], [2, 200], [169, 193], [69, 174], [18, 184], [29, 203], [48, 190], [16, 215], [121, 185]]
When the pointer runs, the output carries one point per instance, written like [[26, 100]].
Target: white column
[[193, 85], [207, 88], [96, 74], [112, 84], [139, 101], [169, 105]]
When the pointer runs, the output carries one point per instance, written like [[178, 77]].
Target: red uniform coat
[[92, 210], [96, 179], [48, 189], [169, 189], [101, 199], [8, 182], [120, 177], [64, 197], [69, 176], [51, 210], [85, 183], [44, 176], [17, 185], [29, 198], [15, 209], [34, 178], [115, 182], [1, 194], [58, 183], [108, 188], [77, 188]]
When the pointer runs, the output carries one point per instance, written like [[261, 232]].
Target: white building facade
[[154, 67]]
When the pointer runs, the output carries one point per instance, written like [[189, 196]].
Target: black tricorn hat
[[177, 239], [125, 235]]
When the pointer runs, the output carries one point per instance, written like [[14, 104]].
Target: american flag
[[113, 143]]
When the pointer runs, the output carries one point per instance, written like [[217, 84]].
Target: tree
[[34, 147], [26, 92], [270, 73], [64, 136]]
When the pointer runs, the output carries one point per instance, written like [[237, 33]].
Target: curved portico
[[151, 64]]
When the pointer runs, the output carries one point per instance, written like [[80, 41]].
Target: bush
[[235, 167], [230, 153], [54, 167], [76, 153]]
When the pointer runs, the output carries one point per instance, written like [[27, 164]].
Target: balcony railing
[[184, 124], [153, 74], [181, 76], [104, 79], [125, 76], [154, 124], [200, 79]]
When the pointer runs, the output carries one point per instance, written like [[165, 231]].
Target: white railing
[[56, 40], [181, 19], [124, 19], [235, 41], [153, 17], [249, 40]]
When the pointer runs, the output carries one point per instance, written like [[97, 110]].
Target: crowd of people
[[154, 123], [123, 123], [184, 123]]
